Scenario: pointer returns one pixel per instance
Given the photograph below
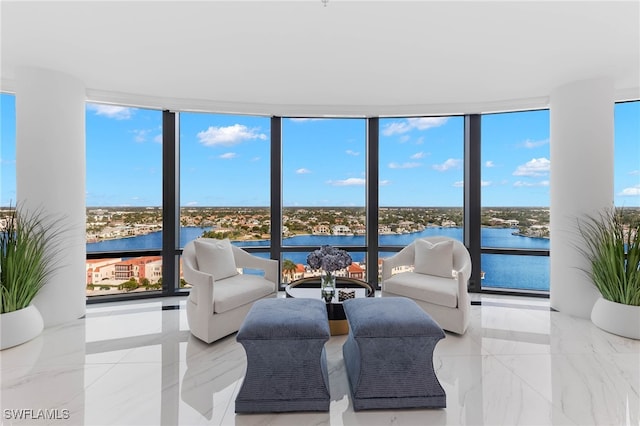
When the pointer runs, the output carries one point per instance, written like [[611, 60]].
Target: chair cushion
[[215, 257], [428, 288], [391, 317], [434, 259], [285, 319], [239, 290]]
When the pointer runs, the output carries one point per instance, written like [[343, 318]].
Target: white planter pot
[[20, 326], [616, 318]]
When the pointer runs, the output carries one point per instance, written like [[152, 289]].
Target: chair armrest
[[203, 282], [404, 257], [247, 260], [463, 276]]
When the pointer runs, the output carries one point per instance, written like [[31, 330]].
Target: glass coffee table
[[310, 288]]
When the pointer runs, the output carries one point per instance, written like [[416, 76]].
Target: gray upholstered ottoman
[[286, 360], [389, 354]]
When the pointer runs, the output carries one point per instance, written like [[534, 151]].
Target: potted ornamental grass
[[612, 249], [28, 244]]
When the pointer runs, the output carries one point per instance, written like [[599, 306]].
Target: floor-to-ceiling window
[[7, 157], [323, 190], [7, 150], [421, 182], [627, 161], [323, 167], [124, 200], [515, 200], [627, 155]]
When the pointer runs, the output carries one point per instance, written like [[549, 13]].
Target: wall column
[[581, 117], [50, 175]]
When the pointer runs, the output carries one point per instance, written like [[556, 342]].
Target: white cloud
[[534, 144], [384, 182], [158, 138], [418, 155], [630, 192], [228, 155], [303, 171], [489, 164], [192, 203], [451, 163], [406, 125], [347, 182], [140, 134], [424, 123], [255, 159], [634, 172], [485, 183], [395, 128], [411, 165], [354, 153], [521, 184], [230, 135], [111, 111], [534, 168]]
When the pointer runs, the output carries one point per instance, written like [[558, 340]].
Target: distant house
[[101, 269], [136, 268], [384, 229], [299, 273], [341, 230], [355, 271], [321, 229]]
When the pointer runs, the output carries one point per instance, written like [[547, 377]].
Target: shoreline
[[518, 234]]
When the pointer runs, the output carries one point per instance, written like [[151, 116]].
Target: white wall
[[50, 175], [581, 115]]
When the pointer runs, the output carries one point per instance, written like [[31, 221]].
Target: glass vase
[[327, 286]]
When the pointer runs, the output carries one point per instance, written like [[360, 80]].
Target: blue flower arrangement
[[328, 259]]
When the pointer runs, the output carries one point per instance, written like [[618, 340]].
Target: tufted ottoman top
[[389, 317], [285, 318]]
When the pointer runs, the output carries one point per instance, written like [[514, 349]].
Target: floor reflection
[[136, 364]]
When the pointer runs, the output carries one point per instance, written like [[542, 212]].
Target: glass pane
[[421, 178], [124, 197], [124, 178], [515, 198], [224, 177], [323, 181], [515, 272], [8, 150], [627, 154]]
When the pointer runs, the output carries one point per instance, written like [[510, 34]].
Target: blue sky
[[225, 159]]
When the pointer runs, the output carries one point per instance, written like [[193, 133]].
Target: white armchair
[[438, 283], [220, 297]]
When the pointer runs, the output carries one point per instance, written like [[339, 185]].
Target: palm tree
[[289, 268]]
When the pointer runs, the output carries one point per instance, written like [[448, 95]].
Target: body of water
[[502, 271]]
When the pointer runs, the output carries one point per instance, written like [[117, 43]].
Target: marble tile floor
[[135, 363]]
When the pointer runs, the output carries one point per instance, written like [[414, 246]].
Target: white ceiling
[[355, 58]]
